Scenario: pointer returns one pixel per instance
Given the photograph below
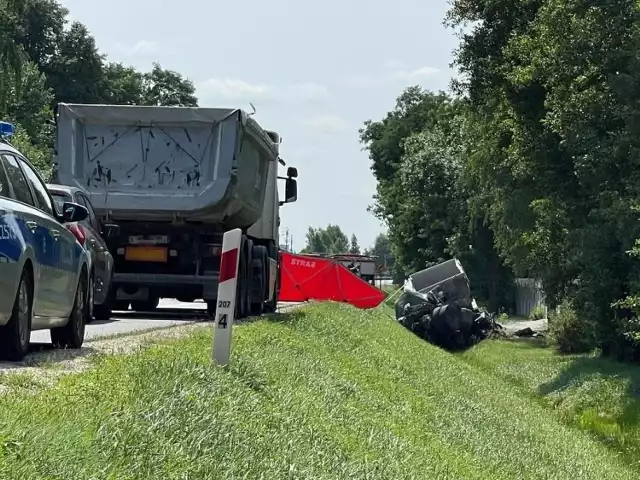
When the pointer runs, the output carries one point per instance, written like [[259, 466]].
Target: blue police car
[[43, 268]]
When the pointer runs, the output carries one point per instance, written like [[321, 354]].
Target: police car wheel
[[72, 334], [15, 335]]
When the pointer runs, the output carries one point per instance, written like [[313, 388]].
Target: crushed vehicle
[[437, 305]]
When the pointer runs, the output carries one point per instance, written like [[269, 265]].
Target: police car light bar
[[6, 129]]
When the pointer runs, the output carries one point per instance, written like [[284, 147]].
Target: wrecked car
[[437, 305]]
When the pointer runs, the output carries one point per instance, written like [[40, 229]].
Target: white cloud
[[309, 92], [418, 74], [327, 124], [236, 90], [360, 80]]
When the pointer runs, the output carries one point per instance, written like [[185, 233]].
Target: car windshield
[[59, 198]]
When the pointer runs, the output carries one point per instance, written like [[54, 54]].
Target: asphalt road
[[169, 313]]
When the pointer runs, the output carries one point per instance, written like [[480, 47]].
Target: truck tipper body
[[174, 179]]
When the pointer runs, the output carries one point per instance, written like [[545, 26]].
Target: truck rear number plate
[[146, 254], [148, 240]]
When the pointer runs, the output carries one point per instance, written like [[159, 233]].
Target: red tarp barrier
[[315, 278]]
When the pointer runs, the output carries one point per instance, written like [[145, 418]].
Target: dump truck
[[174, 180]]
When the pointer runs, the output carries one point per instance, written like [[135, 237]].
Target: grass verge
[[593, 393], [325, 392]]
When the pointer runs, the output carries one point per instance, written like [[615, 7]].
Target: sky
[[314, 75]]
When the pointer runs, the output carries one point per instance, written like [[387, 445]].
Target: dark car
[[92, 232]]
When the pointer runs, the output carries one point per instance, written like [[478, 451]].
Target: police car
[[43, 268]]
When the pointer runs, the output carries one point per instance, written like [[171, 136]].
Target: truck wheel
[[72, 334], [248, 249], [241, 286], [211, 308], [15, 335], [272, 305], [258, 279], [148, 305]]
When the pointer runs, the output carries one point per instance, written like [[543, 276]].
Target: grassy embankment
[[325, 392], [593, 393]]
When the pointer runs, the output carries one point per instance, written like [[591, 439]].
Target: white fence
[[528, 295]]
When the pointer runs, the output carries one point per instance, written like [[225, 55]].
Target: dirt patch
[[43, 368], [46, 365]]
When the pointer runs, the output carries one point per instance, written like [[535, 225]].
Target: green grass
[[595, 394], [327, 392]]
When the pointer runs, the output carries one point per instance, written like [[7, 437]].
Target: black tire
[[242, 290], [148, 305], [248, 249], [272, 305], [211, 308], [258, 280], [90, 305], [72, 334], [102, 312], [16, 334]]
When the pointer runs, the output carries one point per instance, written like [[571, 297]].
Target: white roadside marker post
[[226, 302]]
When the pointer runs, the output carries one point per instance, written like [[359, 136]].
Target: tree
[[329, 240], [27, 105], [420, 154], [354, 248], [167, 87], [41, 28], [75, 73], [554, 92], [12, 55], [123, 85], [381, 247]]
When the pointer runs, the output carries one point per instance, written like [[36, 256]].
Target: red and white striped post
[[225, 308]]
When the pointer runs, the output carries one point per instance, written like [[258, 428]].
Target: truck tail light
[[79, 233]]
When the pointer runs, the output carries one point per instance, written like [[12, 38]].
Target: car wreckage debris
[[443, 312]]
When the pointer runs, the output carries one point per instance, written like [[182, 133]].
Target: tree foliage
[[44, 61], [329, 240], [354, 246], [532, 166], [419, 153]]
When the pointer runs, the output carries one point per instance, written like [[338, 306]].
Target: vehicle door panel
[[29, 226], [59, 255], [103, 260], [11, 249]]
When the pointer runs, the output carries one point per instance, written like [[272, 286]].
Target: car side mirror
[[292, 172], [110, 230], [73, 212], [291, 190]]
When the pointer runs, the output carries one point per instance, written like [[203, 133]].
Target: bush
[[569, 333], [625, 343], [538, 313], [623, 340]]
